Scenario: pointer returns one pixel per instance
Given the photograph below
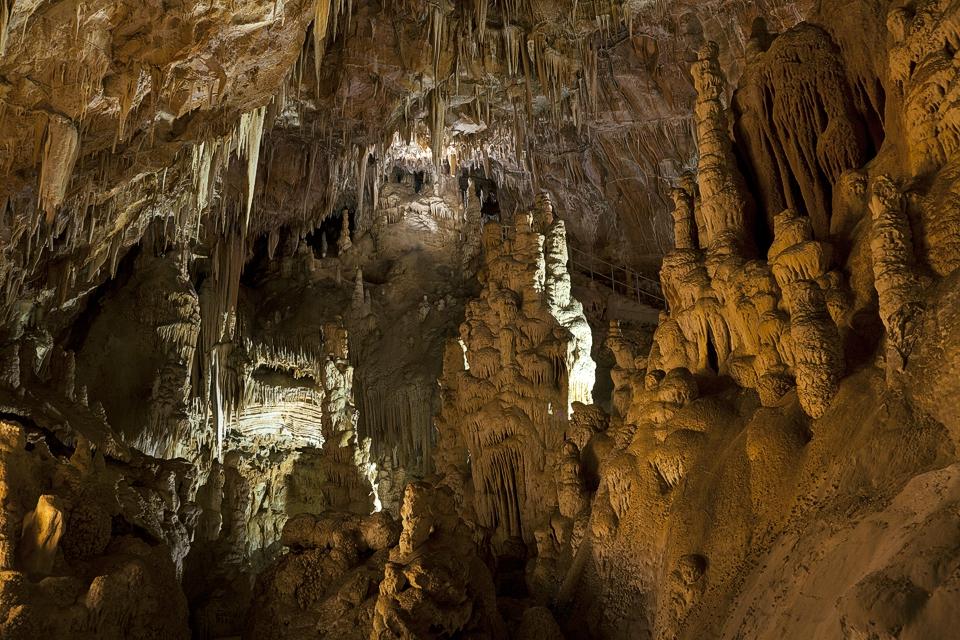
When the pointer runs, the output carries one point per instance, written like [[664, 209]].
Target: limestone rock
[[434, 585], [42, 529]]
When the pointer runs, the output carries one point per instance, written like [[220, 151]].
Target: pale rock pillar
[[893, 272], [344, 242], [798, 262], [725, 205]]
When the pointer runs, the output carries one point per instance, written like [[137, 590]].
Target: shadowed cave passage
[[494, 320]]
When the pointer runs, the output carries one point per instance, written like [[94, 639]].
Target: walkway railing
[[619, 278]]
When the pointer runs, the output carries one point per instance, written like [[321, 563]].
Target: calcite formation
[[895, 277], [341, 319], [435, 583], [801, 122], [93, 545], [762, 322], [327, 585], [522, 359]]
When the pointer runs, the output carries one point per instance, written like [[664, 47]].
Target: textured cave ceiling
[[104, 107]]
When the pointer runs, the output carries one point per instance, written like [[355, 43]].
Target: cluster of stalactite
[[800, 124]]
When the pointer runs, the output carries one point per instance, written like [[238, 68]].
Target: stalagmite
[[894, 276], [725, 208], [344, 243], [358, 290], [6, 7], [539, 351], [798, 263]]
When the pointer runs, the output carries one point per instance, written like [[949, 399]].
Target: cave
[[497, 320]]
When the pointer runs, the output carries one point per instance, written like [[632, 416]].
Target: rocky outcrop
[[326, 586], [373, 577], [92, 545], [523, 357], [435, 584]]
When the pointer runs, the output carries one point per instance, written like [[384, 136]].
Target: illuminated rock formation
[[800, 265], [435, 584], [725, 208], [335, 319], [524, 358], [759, 322]]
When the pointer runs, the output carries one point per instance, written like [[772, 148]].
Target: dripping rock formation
[[487, 319]]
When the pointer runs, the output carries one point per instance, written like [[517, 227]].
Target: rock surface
[[479, 319]]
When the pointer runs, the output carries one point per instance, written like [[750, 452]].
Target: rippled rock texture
[[478, 319]]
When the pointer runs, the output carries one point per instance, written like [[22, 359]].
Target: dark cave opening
[[76, 332], [330, 230], [713, 360]]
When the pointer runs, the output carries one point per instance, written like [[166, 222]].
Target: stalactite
[[218, 323], [438, 112], [59, 155], [321, 18], [129, 86], [363, 162], [250, 133]]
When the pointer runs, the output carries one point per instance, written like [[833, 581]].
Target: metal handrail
[[639, 276], [606, 273], [619, 278]]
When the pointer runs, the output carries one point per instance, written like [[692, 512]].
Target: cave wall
[[202, 403]]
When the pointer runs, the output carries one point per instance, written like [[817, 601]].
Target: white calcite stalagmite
[[358, 300], [524, 359], [563, 307]]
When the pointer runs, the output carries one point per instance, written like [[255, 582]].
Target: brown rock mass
[[622, 320]]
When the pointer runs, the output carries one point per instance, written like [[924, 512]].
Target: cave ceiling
[[110, 111]]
